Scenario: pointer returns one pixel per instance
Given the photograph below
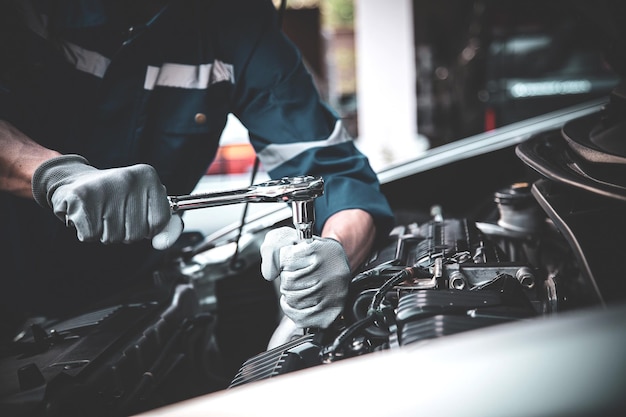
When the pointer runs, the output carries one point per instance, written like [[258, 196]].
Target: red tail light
[[233, 159]]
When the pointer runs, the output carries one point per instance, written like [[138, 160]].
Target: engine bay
[[536, 230]]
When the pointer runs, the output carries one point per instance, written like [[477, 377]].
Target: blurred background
[[410, 75]]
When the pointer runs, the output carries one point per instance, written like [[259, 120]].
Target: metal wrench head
[[290, 189], [300, 192]]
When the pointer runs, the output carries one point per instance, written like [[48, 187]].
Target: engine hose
[[374, 272], [331, 351], [408, 272], [374, 313]]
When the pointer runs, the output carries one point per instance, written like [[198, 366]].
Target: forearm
[[19, 158], [355, 230]]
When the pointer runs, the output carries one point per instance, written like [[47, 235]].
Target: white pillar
[[385, 71]]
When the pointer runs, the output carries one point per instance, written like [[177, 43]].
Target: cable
[[233, 260], [374, 313], [255, 169], [408, 272], [330, 352]]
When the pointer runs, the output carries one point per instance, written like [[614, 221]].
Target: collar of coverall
[[83, 14]]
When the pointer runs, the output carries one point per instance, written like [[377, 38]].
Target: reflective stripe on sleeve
[[276, 154], [188, 76]]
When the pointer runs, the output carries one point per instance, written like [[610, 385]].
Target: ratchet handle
[[287, 189]]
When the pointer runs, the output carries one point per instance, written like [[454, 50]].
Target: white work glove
[[111, 205], [314, 276]]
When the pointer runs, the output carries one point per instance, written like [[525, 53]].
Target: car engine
[[445, 276]]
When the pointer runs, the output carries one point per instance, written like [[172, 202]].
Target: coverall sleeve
[[292, 130]]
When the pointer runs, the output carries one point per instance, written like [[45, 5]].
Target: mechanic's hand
[[111, 205], [314, 276]]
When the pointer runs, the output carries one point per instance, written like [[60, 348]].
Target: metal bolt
[[457, 280], [525, 277]]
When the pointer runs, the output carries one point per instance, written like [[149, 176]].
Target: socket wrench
[[299, 191]]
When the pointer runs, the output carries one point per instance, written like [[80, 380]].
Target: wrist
[[50, 173], [355, 230], [19, 159]]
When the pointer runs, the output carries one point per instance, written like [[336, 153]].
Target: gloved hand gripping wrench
[[299, 191]]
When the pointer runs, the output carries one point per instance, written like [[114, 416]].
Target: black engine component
[[300, 353], [114, 361]]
